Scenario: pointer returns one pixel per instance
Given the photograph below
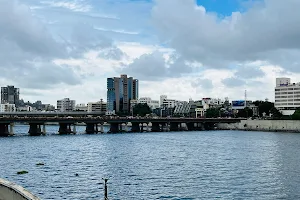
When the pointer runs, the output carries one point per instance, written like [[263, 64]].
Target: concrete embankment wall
[[11, 191], [264, 125]]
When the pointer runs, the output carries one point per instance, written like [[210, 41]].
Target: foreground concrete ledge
[[12, 191]]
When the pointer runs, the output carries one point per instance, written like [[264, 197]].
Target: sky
[[54, 49]]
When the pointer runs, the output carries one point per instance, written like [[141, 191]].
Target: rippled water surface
[[181, 165]]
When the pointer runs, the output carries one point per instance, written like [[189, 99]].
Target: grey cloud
[[112, 53], [249, 72], [27, 50], [260, 33], [154, 66], [147, 66], [204, 83], [85, 37], [233, 82]]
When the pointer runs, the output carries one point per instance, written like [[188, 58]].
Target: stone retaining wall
[[263, 125]]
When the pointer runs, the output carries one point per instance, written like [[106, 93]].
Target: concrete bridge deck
[[37, 123]]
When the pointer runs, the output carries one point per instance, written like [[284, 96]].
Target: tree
[[276, 114], [141, 109], [264, 107], [212, 113], [296, 115], [245, 113]]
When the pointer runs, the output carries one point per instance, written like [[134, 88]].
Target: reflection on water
[[182, 165]]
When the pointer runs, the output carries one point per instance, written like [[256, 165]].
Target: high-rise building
[[120, 90], [65, 105], [10, 95]]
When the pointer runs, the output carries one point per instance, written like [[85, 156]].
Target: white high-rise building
[[65, 105], [287, 94]]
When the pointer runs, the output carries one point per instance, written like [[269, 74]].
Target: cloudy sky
[[53, 49]]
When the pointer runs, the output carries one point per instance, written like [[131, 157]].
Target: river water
[[171, 165]]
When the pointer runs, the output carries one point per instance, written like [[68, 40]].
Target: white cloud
[[77, 6]]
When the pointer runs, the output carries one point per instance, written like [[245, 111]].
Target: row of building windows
[[285, 89], [290, 97], [287, 93], [287, 104]]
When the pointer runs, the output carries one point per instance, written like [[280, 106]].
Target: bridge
[[94, 123]]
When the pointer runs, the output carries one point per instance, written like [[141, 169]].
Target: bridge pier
[[135, 127], [34, 129], [174, 126], [191, 126], [64, 128], [114, 128], [11, 129], [74, 129], [208, 126], [4, 130], [155, 127], [101, 128], [91, 128], [44, 129], [126, 128]]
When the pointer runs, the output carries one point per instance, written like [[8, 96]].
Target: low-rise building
[[26, 108], [81, 107], [99, 106], [6, 107], [153, 104], [65, 105]]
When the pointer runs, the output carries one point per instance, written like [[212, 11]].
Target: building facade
[[10, 95], [81, 107], [120, 91], [99, 106], [65, 105], [287, 95], [153, 104], [7, 107]]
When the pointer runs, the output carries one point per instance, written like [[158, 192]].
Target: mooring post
[[105, 188]]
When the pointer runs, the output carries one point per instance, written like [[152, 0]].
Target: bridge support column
[[114, 128], [4, 130], [101, 128], [34, 129], [44, 129], [148, 128], [142, 127], [174, 126], [155, 127], [64, 128], [91, 128], [208, 126], [121, 128], [11, 129], [126, 127], [74, 129], [191, 126], [135, 127]]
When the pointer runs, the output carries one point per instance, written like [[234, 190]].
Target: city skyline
[[212, 49]]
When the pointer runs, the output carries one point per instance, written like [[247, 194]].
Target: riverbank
[[263, 125]]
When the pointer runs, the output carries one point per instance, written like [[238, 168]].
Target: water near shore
[[181, 165]]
